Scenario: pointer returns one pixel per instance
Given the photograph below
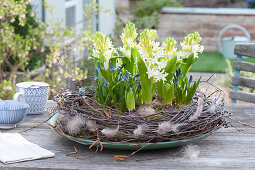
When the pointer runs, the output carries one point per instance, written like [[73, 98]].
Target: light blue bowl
[[12, 112]]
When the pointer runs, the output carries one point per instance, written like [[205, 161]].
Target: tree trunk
[[13, 76]]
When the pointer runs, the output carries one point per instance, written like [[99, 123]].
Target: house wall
[[199, 3], [107, 16], [37, 7], [105, 22], [178, 24]]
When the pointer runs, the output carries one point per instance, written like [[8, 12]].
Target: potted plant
[[142, 96]]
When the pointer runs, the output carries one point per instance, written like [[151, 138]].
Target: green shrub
[[37, 59], [147, 7], [7, 90], [150, 21], [146, 12], [21, 37]]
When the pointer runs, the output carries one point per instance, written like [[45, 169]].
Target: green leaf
[[171, 68], [133, 60], [130, 100], [187, 63], [146, 83], [168, 92], [159, 88], [193, 90]]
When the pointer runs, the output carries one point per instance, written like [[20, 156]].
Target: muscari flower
[[99, 67], [96, 76], [111, 66], [81, 91], [127, 75], [105, 81]]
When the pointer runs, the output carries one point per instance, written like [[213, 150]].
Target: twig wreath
[[141, 93]]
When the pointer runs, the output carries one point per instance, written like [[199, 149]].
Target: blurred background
[[55, 38]]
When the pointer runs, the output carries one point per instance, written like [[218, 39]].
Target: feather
[[191, 151], [108, 132], [146, 110], [212, 108], [140, 129], [168, 126], [92, 125], [75, 124], [216, 105], [199, 110]]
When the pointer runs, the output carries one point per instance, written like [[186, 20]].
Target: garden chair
[[248, 50]]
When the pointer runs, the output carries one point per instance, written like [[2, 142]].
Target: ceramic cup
[[35, 94]]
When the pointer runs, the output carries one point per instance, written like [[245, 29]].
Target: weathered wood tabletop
[[225, 149]]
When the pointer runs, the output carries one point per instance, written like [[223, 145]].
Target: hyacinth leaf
[[168, 92], [187, 63], [146, 83], [193, 90], [159, 88], [125, 60], [130, 62], [133, 61], [171, 68], [100, 91], [130, 100]]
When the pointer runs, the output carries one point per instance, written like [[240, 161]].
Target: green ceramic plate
[[127, 146]]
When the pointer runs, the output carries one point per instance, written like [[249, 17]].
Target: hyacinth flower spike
[[190, 49]]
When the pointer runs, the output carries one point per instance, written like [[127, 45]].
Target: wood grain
[[240, 95], [242, 81], [244, 66], [245, 49], [225, 149]]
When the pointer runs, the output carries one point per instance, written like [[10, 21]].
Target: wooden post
[[237, 74]]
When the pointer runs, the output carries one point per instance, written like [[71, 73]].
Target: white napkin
[[15, 148]]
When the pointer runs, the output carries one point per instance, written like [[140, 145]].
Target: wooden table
[[225, 149]]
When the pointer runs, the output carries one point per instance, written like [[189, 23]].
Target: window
[[70, 16], [74, 14]]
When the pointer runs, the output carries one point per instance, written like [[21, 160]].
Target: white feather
[[216, 104], [168, 126], [146, 110], [108, 132], [199, 110], [75, 124], [212, 108], [140, 129], [92, 125], [191, 152]]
